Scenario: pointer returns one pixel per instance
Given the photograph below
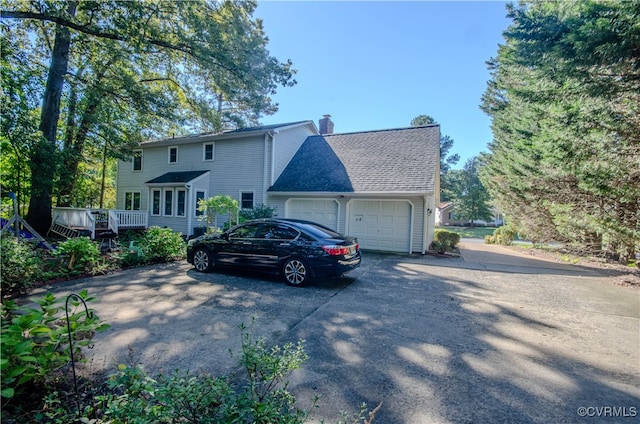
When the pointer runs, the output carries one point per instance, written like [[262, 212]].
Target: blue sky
[[377, 65]]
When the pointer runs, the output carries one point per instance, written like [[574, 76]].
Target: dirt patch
[[618, 274]]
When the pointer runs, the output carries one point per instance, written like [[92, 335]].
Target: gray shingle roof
[[196, 138], [398, 160], [176, 177]]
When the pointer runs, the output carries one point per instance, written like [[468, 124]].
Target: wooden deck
[[70, 222]]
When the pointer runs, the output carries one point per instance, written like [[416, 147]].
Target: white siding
[[240, 164], [286, 145], [418, 222]]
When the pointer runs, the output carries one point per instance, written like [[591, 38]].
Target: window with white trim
[[246, 200], [181, 202], [200, 195], [132, 201], [137, 160], [156, 196], [168, 202], [173, 154], [207, 151]]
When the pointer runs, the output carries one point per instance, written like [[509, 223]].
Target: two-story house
[[381, 186]]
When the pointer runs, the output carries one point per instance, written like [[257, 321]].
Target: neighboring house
[[445, 215], [381, 186]]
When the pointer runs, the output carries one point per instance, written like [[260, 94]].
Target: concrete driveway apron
[[492, 336]]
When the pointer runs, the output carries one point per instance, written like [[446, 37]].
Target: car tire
[[202, 260], [296, 272]]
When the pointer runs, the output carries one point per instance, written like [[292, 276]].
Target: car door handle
[[246, 242], [284, 244]]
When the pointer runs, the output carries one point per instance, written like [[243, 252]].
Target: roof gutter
[[351, 193]]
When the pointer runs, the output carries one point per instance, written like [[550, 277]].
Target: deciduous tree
[[107, 58]]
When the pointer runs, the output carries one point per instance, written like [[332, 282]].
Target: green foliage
[[470, 198], [193, 66], [201, 398], [218, 205], [35, 342], [470, 232], [563, 100], [162, 245], [133, 395], [445, 241], [259, 211], [82, 255], [21, 265], [503, 235]]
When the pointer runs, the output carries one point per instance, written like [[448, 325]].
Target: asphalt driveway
[[492, 336]]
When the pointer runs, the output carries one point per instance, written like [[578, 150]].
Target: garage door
[[323, 212], [381, 225]]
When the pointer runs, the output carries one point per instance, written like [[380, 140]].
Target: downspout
[[265, 177], [273, 155], [426, 225], [188, 208]]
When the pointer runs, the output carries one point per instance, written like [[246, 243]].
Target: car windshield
[[318, 231]]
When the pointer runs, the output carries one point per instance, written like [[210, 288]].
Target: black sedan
[[299, 250]]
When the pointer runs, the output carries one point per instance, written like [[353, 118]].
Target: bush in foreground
[[445, 241], [35, 345], [21, 265], [502, 235]]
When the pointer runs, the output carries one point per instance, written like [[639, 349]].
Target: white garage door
[[323, 212], [381, 225]]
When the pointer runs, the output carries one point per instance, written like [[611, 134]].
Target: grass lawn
[[470, 232]]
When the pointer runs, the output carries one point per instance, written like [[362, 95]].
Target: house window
[[173, 154], [200, 195], [168, 202], [181, 202], [155, 203], [137, 160], [246, 200], [132, 201], [207, 151]]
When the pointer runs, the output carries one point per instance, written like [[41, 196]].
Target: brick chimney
[[326, 125]]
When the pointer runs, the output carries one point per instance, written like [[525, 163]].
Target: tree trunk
[[43, 156], [74, 155]]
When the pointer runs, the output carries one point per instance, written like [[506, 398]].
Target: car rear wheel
[[296, 272], [202, 260]]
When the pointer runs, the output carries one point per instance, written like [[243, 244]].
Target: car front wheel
[[296, 272], [202, 260]]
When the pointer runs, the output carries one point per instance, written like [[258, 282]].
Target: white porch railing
[[90, 219], [76, 218], [128, 219]]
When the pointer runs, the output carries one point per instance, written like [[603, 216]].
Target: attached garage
[[381, 224], [322, 211], [380, 186]]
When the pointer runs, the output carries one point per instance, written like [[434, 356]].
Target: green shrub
[[35, 342], [259, 211], [445, 241], [132, 395], [184, 397], [162, 245], [21, 265], [502, 235], [82, 255]]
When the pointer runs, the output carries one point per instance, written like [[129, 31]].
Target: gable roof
[[401, 160], [176, 177], [212, 136]]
